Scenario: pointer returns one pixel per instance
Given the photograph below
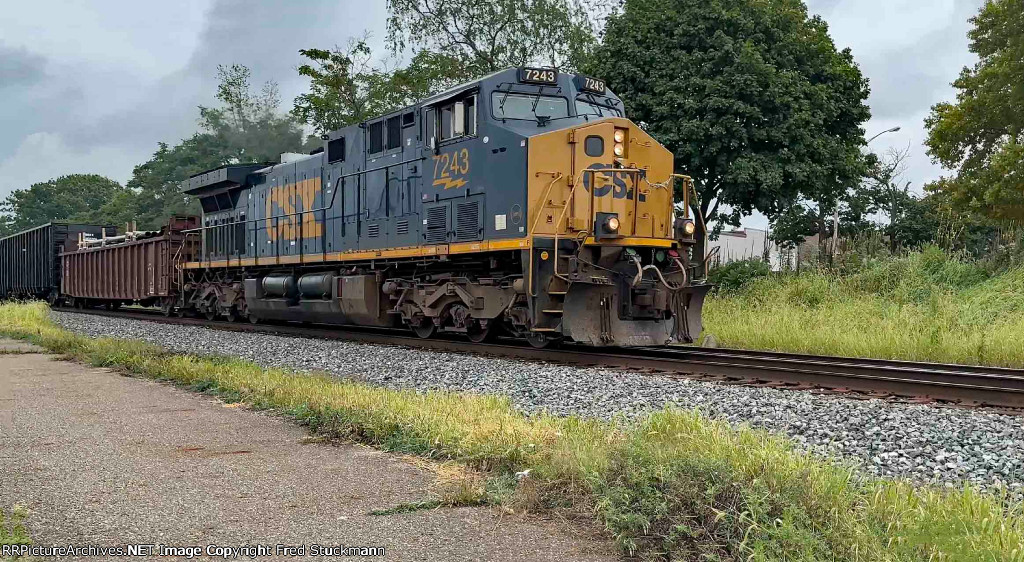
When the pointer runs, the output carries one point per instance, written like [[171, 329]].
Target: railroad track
[[959, 385]]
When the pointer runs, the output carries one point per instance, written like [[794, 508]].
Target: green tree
[[246, 128], [793, 226], [981, 136], [752, 97], [75, 197], [891, 195], [346, 88], [156, 183], [497, 34]]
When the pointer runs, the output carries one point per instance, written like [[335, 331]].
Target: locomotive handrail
[[590, 213], [536, 222]]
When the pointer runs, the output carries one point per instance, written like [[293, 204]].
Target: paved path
[[100, 458]]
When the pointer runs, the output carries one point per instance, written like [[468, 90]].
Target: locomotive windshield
[[527, 107], [593, 109]]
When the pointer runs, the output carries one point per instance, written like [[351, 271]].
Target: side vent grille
[[467, 220], [373, 230], [437, 225], [402, 227]]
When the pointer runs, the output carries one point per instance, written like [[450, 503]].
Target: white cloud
[[45, 155]]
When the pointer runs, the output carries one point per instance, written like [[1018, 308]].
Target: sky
[[92, 87]]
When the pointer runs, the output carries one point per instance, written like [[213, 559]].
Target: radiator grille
[[467, 220], [437, 224], [373, 230], [402, 227]]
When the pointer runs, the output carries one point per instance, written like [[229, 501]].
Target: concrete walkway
[[99, 458]]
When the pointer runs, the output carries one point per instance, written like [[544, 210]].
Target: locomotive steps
[[675, 482]]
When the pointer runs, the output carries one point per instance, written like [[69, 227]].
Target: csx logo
[[283, 208], [619, 184]]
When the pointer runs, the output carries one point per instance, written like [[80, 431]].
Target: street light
[[892, 130], [835, 219]]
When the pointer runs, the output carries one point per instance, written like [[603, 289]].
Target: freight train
[[522, 203]]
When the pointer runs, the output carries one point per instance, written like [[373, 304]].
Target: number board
[[589, 84], [538, 75]]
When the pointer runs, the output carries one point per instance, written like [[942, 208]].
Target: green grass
[[926, 307], [676, 486], [12, 528], [408, 507]]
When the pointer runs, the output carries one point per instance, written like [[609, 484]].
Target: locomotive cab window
[[457, 119]]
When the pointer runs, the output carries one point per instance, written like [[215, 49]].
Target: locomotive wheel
[[231, 314], [540, 341], [478, 334], [425, 329], [210, 314], [253, 319]]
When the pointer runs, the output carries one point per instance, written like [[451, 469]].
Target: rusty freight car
[[30, 262], [131, 268]]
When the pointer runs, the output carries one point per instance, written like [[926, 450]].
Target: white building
[[747, 243]]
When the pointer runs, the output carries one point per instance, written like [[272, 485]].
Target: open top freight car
[[136, 267], [30, 263]]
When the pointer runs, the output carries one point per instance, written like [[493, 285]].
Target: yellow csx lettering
[[450, 169], [283, 205]]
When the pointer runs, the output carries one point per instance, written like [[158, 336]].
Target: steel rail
[[963, 385]]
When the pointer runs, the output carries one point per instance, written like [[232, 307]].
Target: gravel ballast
[[925, 443]]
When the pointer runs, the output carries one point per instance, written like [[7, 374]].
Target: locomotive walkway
[[104, 459]]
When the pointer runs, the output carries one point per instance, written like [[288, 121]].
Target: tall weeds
[[927, 306]]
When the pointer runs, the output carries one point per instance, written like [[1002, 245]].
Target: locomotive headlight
[[689, 228], [619, 149], [612, 224], [620, 135]]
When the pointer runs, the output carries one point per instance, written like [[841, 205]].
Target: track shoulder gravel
[[99, 458], [921, 442]]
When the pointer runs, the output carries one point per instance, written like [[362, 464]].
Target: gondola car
[[523, 203], [30, 260]]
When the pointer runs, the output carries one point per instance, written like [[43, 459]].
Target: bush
[[732, 276]]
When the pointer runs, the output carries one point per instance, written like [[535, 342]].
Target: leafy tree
[[794, 225], [156, 183], [492, 35], [245, 128], [76, 197], [752, 97], [346, 88], [981, 136], [891, 195]]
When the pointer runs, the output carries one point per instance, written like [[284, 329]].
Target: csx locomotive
[[523, 202]]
